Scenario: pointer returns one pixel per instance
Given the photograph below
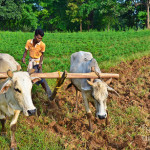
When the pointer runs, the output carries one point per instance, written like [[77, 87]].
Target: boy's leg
[[43, 82], [46, 88]]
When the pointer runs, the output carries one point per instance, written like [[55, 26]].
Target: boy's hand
[[40, 66], [23, 60]]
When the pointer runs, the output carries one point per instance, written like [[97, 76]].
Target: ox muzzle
[[102, 116], [32, 112]]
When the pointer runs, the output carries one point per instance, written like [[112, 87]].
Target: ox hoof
[[13, 148]]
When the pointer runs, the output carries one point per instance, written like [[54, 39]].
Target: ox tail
[[70, 85]]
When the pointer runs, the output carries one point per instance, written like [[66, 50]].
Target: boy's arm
[[24, 56], [41, 60]]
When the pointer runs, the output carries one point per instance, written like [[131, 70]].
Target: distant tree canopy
[[73, 15]]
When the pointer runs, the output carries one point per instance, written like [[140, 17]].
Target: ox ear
[[10, 73], [5, 87], [108, 81], [90, 83], [18, 67], [112, 90], [35, 79], [31, 71]]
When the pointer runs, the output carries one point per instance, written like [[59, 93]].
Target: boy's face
[[38, 38]]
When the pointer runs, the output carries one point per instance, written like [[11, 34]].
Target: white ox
[[97, 91], [15, 95]]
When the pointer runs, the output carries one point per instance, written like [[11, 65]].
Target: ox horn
[[112, 90], [31, 71], [90, 83], [10, 73], [108, 81]]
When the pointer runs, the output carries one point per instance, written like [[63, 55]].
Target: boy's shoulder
[[42, 43], [29, 41]]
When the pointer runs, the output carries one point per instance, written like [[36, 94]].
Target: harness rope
[[93, 70], [58, 80]]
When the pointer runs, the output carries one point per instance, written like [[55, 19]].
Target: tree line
[[73, 15]]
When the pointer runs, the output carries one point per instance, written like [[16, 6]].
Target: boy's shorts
[[37, 70]]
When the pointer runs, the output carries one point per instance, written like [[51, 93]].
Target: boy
[[36, 50]]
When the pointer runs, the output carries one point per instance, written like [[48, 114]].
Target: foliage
[[9, 13], [52, 16], [28, 138], [29, 18], [142, 17], [72, 15]]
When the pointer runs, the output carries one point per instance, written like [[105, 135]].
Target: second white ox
[[82, 62], [15, 95]]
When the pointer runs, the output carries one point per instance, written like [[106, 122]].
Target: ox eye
[[17, 90]]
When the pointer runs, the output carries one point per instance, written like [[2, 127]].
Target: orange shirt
[[35, 51]]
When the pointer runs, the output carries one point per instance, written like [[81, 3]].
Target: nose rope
[[59, 74], [58, 80]]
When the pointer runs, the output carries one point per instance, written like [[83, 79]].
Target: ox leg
[[13, 129], [77, 97], [107, 119], [3, 121], [3, 130], [89, 114]]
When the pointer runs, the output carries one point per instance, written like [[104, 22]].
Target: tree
[[128, 15], [109, 11], [29, 20], [146, 3], [73, 11], [81, 11], [9, 13], [53, 16]]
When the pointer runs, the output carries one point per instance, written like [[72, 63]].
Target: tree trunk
[[108, 26], [148, 27], [80, 26], [88, 27], [90, 18]]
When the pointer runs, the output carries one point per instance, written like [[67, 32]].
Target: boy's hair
[[39, 32]]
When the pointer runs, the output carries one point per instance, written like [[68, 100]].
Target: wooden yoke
[[59, 83], [55, 75]]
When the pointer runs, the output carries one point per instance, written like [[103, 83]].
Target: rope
[[58, 87], [58, 80], [59, 74], [97, 74], [93, 70]]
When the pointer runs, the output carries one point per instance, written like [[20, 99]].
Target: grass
[[31, 138], [125, 123]]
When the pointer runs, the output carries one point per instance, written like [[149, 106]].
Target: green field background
[[109, 48]]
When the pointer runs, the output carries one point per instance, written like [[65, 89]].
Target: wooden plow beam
[[55, 75], [61, 76]]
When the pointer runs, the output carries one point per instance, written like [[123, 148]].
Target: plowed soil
[[133, 87]]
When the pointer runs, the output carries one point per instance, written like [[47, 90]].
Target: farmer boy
[[36, 50]]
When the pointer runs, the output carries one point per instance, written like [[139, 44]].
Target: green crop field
[[109, 49]]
